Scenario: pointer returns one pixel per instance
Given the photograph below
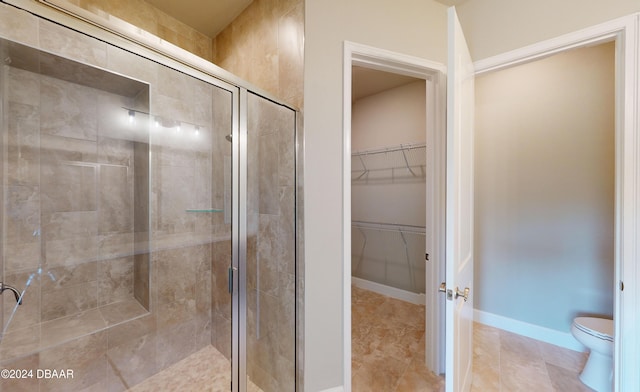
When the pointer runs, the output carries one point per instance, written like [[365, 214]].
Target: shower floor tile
[[204, 371]]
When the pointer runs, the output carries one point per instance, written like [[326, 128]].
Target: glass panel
[[271, 267], [75, 186], [116, 222]]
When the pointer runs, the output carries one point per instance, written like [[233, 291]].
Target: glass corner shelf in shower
[[204, 210]]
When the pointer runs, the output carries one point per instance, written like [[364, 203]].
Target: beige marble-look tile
[[401, 344], [68, 43], [23, 87], [120, 312], [176, 274], [175, 343], [81, 249], [68, 109], [523, 371], [23, 214], [69, 300], [268, 174], [488, 337], [418, 378], [29, 384], [115, 280], [59, 277], [86, 356], [28, 313], [205, 370], [175, 195], [23, 145], [68, 187], [54, 149], [132, 65], [116, 200], [268, 254], [565, 380], [132, 362], [378, 373], [291, 53], [221, 335], [515, 344], [68, 328], [132, 329], [563, 357], [20, 343], [287, 231], [22, 256], [486, 374], [115, 245], [19, 25]]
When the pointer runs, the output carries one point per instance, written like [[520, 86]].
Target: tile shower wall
[[265, 46], [70, 199], [78, 191], [147, 17], [271, 268]]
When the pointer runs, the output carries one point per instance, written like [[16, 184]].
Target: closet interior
[[388, 184]]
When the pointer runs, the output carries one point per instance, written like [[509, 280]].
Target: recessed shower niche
[[75, 158]]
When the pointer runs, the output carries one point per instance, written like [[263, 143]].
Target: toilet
[[597, 335]]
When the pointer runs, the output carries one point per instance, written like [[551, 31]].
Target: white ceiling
[[208, 17], [212, 16], [367, 81]]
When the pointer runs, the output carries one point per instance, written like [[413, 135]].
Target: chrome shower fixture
[[15, 291]]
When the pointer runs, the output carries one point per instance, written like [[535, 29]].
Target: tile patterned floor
[[204, 371], [388, 345], [388, 354]]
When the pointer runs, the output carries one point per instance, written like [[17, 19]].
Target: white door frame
[[626, 33], [434, 75]]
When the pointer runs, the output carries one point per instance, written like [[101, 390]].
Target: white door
[[459, 214]]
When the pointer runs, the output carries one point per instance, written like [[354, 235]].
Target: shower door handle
[[230, 282]]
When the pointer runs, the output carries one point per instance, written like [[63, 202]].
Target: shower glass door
[[268, 281], [116, 216], [147, 223]]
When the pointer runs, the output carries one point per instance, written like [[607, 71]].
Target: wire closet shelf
[[402, 161], [393, 253]]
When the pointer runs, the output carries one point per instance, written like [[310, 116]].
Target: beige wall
[[147, 17], [265, 46], [414, 27], [497, 26], [544, 189]]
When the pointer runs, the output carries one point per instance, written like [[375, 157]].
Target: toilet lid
[[598, 327]]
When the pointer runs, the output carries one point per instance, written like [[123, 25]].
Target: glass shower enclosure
[[148, 232]]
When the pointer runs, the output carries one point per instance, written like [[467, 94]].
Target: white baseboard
[[336, 389], [562, 339], [418, 299]]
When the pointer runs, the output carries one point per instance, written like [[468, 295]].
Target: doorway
[[624, 32], [430, 74], [545, 203], [388, 229]]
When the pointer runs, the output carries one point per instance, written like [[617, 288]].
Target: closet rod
[[402, 147], [389, 227]]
